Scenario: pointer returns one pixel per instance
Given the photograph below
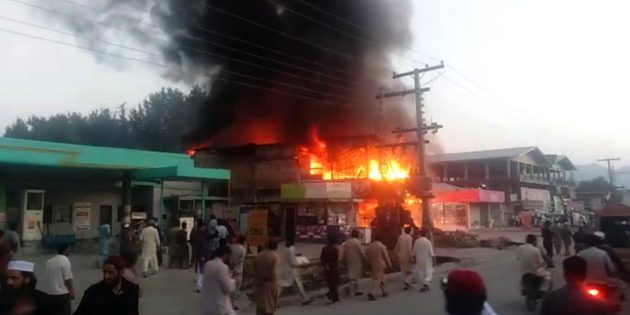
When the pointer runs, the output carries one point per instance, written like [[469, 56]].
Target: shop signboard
[[292, 191], [317, 190], [81, 219], [338, 190], [257, 233], [32, 219]]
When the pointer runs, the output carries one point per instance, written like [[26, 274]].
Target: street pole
[[423, 181], [611, 173]]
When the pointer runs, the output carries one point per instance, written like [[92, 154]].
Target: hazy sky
[[548, 73]]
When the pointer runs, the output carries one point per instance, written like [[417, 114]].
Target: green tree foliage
[[157, 123], [599, 184]]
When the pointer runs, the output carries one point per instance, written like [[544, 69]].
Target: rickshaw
[[614, 221]]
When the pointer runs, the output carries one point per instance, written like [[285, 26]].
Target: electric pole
[[611, 171], [423, 181]]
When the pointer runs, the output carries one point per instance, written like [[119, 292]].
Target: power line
[[74, 35], [279, 91], [317, 21], [185, 46], [330, 14], [84, 48], [434, 78], [302, 59], [238, 17], [285, 84], [238, 50], [149, 53], [160, 65], [194, 49]]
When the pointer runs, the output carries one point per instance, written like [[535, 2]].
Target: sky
[[548, 73]]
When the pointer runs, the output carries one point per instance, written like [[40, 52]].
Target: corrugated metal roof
[[481, 155]]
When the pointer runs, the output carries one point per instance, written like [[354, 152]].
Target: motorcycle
[[610, 295], [530, 289]]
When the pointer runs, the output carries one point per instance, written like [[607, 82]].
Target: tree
[[159, 123], [598, 184]]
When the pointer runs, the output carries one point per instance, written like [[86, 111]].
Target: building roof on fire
[[149, 164], [509, 153]]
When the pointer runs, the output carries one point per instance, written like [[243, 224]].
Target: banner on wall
[[257, 233], [31, 227], [81, 217]]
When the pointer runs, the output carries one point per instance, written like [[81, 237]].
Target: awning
[[181, 173]]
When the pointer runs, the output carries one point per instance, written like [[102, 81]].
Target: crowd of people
[[218, 260]]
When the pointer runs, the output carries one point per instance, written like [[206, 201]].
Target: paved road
[[500, 272], [172, 291]]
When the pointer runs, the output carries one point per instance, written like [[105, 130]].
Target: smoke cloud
[[275, 69]]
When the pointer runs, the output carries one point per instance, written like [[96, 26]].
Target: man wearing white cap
[[21, 296]]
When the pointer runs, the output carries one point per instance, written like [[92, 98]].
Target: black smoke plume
[[275, 69]]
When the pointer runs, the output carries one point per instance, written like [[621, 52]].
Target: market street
[[171, 292]]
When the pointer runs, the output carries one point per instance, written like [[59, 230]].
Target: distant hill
[[593, 170]]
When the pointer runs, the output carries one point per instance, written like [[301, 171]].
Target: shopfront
[[320, 208], [468, 208]]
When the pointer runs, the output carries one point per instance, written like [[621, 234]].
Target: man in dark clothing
[[547, 235], [5, 257], [580, 239], [571, 299], [114, 295], [20, 295], [330, 261]]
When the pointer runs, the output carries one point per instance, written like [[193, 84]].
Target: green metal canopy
[[180, 172], [145, 165]]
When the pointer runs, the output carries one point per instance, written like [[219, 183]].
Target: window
[[105, 214]]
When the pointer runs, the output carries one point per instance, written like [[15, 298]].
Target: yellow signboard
[[257, 234]]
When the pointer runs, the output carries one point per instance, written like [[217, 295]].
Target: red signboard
[[470, 196]]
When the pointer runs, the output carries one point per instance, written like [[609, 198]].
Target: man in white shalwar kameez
[[150, 242], [289, 276], [424, 258]]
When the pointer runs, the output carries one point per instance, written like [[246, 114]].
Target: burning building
[[276, 70], [321, 186]]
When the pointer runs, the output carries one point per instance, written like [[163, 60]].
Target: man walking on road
[[104, 238], [378, 260], [218, 284], [289, 276], [150, 243], [237, 261], [404, 256], [266, 280], [425, 260], [353, 257], [200, 242], [114, 295], [547, 235], [58, 282], [330, 262]]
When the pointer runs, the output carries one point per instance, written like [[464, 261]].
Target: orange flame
[[390, 169]]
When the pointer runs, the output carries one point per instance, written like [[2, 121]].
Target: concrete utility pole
[[423, 181], [611, 171]]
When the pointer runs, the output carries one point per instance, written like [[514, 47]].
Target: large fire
[[368, 162]]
